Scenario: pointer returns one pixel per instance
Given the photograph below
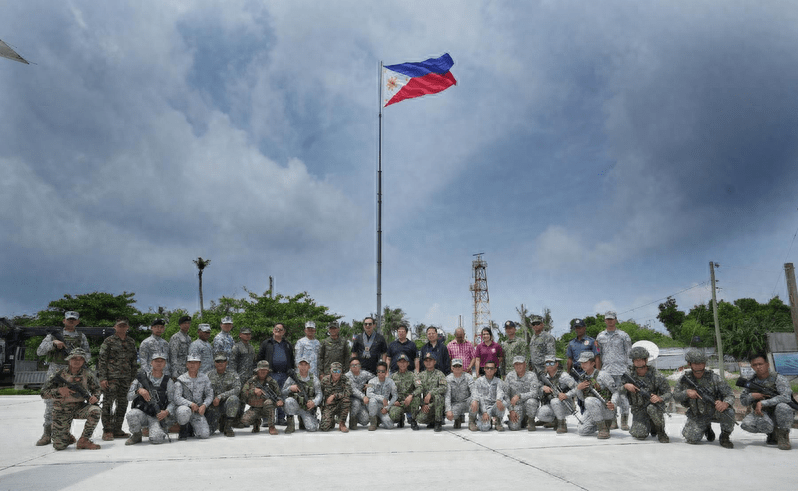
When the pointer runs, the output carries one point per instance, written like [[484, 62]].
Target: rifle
[[153, 406], [583, 378], [58, 335], [705, 396], [555, 390], [644, 392], [753, 385], [269, 393], [73, 386], [302, 397]]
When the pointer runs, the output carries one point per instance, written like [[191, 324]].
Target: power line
[[665, 298]]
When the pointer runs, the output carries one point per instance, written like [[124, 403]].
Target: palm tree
[[201, 265], [391, 318]]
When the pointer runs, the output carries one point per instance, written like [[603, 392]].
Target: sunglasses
[[335, 371], [551, 363]]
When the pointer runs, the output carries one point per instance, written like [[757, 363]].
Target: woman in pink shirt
[[488, 350]]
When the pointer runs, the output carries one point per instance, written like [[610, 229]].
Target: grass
[[18, 392]]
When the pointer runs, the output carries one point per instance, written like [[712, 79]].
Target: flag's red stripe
[[428, 84]]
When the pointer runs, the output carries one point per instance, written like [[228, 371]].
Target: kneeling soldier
[[336, 392], [382, 394], [487, 403], [192, 395], [302, 393], [75, 393], [770, 397], [459, 391], [428, 399], [150, 394], [226, 387], [596, 390], [262, 393], [521, 395], [557, 390], [648, 393]]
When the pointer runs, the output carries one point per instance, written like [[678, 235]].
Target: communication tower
[[480, 290]]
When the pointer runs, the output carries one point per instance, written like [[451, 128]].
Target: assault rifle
[[706, 396], [268, 392], [302, 397], [584, 378], [644, 392], [153, 406], [753, 385], [555, 390], [58, 335], [73, 386]]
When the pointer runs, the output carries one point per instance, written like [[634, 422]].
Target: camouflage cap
[[519, 359], [263, 365], [333, 325], [193, 357], [158, 354], [457, 362], [77, 352], [336, 365], [245, 330], [71, 314], [694, 355], [220, 357], [586, 355], [204, 327], [551, 358], [227, 320], [639, 353], [611, 315], [303, 359], [310, 325], [402, 357], [535, 318]]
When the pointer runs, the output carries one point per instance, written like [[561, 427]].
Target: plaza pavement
[[396, 459]]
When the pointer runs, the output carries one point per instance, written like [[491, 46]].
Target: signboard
[[786, 363]]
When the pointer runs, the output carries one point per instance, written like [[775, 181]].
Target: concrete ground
[[396, 459]]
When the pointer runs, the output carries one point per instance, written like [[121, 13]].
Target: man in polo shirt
[[402, 345], [462, 348]]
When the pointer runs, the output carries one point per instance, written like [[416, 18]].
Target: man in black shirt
[[370, 346]]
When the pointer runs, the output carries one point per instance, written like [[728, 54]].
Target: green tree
[[671, 317], [391, 319]]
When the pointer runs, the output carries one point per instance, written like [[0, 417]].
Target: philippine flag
[[408, 80]]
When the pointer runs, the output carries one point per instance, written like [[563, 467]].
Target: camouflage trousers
[[493, 412], [48, 403], [64, 413], [436, 407], [460, 408], [329, 413], [185, 416], [595, 411], [136, 420], [375, 411], [554, 409], [398, 412], [526, 409], [695, 427], [115, 393], [227, 407], [257, 413], [644, 418], [621, 401], [358, 411], [778, 417], [308, 417]]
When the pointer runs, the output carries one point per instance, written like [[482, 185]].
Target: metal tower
[[480, 289]]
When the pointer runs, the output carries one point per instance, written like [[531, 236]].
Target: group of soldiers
[[203, 387]]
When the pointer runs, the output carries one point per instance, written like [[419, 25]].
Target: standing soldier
[[55, 353], [429, 395], [202, 349], [116, 369], [459, 393], [333, 349], [303, 395], [242, 362], [487, 403], [557, 390], [308, 348], [512, 347], [336, 392], [706, 397], [595, 389], [70, 389], [614, 346], [155, 344], [579, 344], [192, 395], [770, 397], [262, 393], [520, 389], [226, 387], [151, 394], [179, 344], [382, 394], [541, 345], [224, 340], [405, 381], [359, 401], [648, 393]]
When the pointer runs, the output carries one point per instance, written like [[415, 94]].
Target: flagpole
[[379, 212]]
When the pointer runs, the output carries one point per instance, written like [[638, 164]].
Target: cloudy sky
[[599, 154]]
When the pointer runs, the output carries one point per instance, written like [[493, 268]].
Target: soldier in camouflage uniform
[[242, 362], [598, 415], [224, 342], [69, 404], [202, 349], [192, 396], [179, 344], [155, 344], [769, 400], [700, 412], [308, 348], [459, 391], [116, 369], [405, 382], [512, 347], [555, 408], [261, 403], [648, 413], [160, 396], [334, 348], [520, 388], [226, 387], [55, 353], [382, 394], [358, 383], [541, 345], [336, 392], [429, 396], [487, 403], [613, 346], [302, 392]]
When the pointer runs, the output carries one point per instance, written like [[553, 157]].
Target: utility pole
[[271, 286], [792, 292], [718, 340]]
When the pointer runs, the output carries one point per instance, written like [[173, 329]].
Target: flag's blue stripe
[[433, 65]]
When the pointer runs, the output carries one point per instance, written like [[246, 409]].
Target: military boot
[[71, 439], [614, 423], [530, 424], [134, 438], [372, 423], [771, 439], [456, 423], [725, 442], [438, 425], [256, 426], [118, 433], [86, 444], [45, 439], [401, 423], [625, 422], [414, 424], [662, 437], [710, 434], [783, 438], [603, 430], [497, 423], [272, 430], [289, 426], [472, 423], [562, 426], [228, 429], [550, 424], [183, 435], [352, 422]]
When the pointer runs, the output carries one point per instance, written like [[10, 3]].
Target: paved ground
[[446, 460]]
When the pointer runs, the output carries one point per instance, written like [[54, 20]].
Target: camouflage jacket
[[178, 352], [84, 377], [332, 350], [599, 380], [652, 382], [224, 385], [195, 390], [382, 391], [117, 360], [340, 389], [526, 387], [248, 391], [55, 356], [513, 348], [223, 342], [359, 382], [204, 350], [777, 384], [712, 384], [312, 386], [487, 392], [149, 347], [458, 389], [561, 380], [242, 360], [405, 383], [430, 382], [540, 346]]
